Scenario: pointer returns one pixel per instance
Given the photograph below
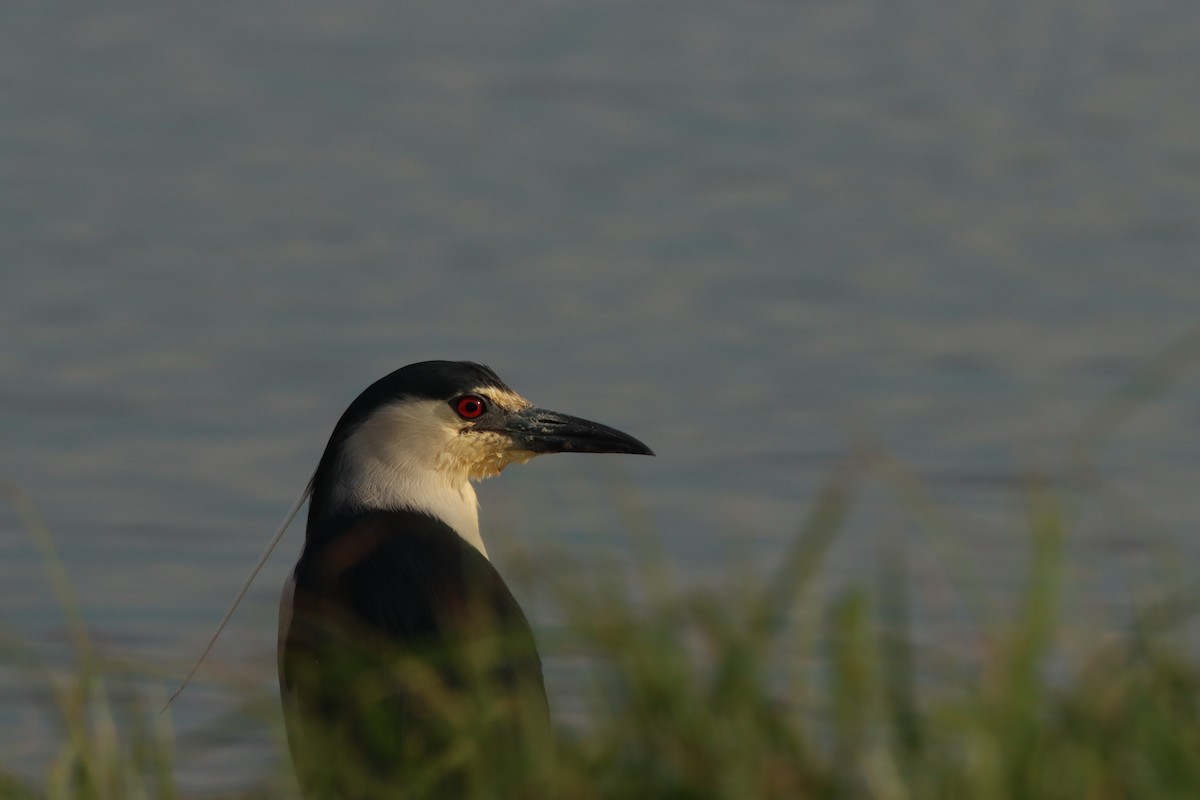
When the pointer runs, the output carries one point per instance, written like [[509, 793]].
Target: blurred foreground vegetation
[[775, 690]]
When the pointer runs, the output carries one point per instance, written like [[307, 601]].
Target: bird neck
[[374, 485]]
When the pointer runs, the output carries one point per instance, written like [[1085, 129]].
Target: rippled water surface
[[752, 234]]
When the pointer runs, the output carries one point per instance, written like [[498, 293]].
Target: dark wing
[[402, 640]]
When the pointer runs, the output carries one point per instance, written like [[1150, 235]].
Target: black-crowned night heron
[[394, 603]]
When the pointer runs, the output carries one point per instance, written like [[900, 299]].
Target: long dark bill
[[540, 431]]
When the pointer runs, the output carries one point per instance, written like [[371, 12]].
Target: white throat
[[395, 461]]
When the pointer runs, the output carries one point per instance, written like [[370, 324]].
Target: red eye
[[470, 407]]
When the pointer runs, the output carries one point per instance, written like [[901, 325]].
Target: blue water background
[[753, 234]]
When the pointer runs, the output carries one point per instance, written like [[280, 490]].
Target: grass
[[779, 690]]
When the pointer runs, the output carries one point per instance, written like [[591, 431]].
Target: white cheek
[[398, 459]]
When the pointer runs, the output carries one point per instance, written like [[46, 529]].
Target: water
[[750, 234]]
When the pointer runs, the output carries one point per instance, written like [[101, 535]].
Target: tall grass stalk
[[97, 756]]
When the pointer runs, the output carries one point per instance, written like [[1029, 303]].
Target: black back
[[403, 638]]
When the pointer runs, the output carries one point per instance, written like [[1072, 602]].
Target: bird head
[[415, 439]]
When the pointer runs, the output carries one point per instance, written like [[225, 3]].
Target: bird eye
[[470, 407]]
